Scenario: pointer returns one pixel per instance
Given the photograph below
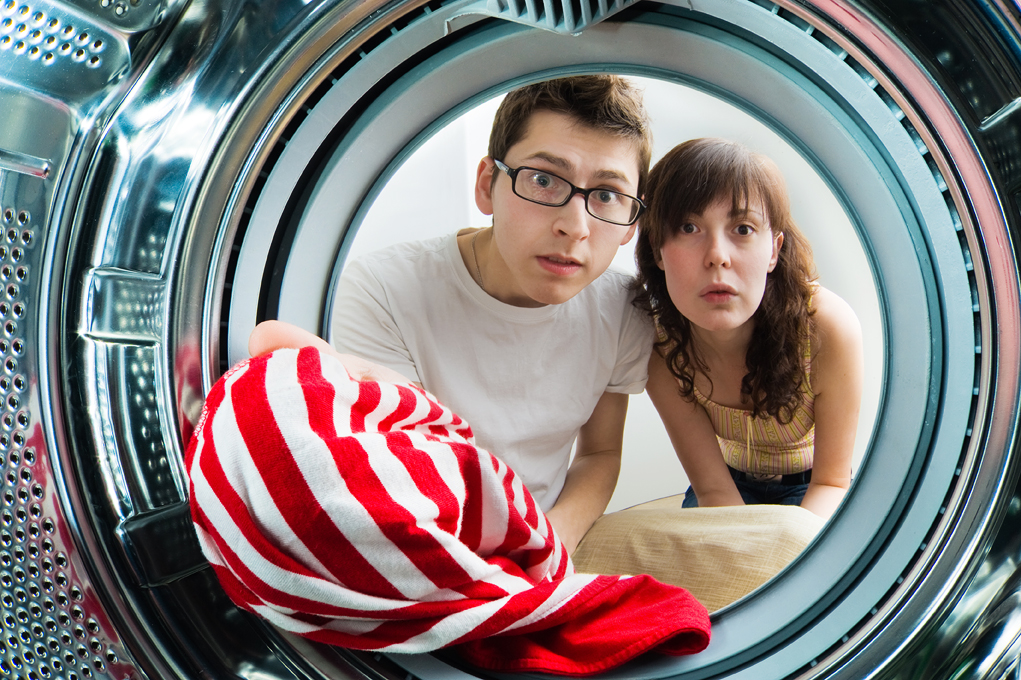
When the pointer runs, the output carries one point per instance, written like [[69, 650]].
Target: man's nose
[[573, 220]]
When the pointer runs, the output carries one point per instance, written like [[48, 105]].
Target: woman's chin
[[724, 322]]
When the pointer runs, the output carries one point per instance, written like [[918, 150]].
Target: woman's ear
[[777, 244], [484, 185]]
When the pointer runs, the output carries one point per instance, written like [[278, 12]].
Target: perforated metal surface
[[51, 49], [38, 36], [59, 62], [51, 621]]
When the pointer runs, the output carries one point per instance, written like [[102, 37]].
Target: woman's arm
[[836, 376], [693, 438], [272, 335]]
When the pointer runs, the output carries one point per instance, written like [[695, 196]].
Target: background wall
[[431, 194]]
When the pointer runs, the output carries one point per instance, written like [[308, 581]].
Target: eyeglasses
[[545, 188]]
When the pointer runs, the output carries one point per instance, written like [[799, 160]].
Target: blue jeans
[[758, 493]]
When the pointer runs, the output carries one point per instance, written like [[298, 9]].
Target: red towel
[[361, 514]]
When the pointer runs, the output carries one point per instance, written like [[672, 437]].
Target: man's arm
[[270, 336], [593, 474]]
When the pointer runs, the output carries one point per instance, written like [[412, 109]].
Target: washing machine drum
[[172, 173]]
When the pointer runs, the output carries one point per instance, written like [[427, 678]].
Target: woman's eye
[[687, 228], [745, 230]]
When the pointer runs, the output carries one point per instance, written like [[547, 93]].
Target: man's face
[[545, 255]]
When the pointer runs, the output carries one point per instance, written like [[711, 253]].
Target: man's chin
[[559, 294]]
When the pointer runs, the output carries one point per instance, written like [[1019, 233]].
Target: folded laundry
[[361, 514]]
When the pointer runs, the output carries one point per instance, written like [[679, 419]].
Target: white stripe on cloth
[[323, 590], [421, 478], [247, 482], [330, 490]]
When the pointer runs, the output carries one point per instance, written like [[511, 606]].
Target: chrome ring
[[144, 179]]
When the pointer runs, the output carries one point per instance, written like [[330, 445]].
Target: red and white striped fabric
[[361, 514]]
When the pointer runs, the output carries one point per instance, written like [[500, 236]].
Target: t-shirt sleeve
[[364, 322], [632, 368]]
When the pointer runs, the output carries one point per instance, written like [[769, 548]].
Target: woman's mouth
[[717, 294]]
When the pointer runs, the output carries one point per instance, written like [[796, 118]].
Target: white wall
[[431, 194]]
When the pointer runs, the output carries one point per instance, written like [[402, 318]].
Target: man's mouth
[[559, 264]]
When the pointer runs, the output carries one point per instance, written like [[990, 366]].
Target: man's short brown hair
[[606, 103]]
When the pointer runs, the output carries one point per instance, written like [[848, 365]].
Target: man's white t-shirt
[[525, 379]]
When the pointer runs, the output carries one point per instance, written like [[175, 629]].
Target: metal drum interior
[[179, 172]]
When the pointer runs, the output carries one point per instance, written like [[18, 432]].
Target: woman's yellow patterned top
[[763, 445]]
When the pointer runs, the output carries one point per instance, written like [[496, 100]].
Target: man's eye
[[541, 180], [606, 197]]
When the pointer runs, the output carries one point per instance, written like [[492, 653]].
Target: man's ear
[[484, 185], [777, 244], [630, 234]]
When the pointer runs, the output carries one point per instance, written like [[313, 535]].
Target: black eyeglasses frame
[[512, 173]]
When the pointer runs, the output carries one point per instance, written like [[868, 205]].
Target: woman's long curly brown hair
[[685, 182]]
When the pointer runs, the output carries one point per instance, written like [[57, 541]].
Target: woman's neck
[[725, 347]]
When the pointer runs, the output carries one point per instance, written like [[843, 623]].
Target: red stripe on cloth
[[405, 407], [422, 469], [472, 512], [607, 623], [211, 405], [295, 501], [532, 510], [519, 531], [481, 591], [385, 635], [318, 392], [369, 394], [235, 589], [577, 624], [394, 520], [237, 508], [565, 567], [436, 413], [248, 589]]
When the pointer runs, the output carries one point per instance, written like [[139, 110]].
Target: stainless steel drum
[[173, 172]]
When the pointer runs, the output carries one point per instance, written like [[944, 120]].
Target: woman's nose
[[717, 252]]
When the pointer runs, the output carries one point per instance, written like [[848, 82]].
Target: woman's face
[[716, 264]]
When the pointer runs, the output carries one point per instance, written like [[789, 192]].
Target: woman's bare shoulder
[[833, 318], [836, 341]]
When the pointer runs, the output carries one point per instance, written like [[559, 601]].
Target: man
[[518, 327]]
